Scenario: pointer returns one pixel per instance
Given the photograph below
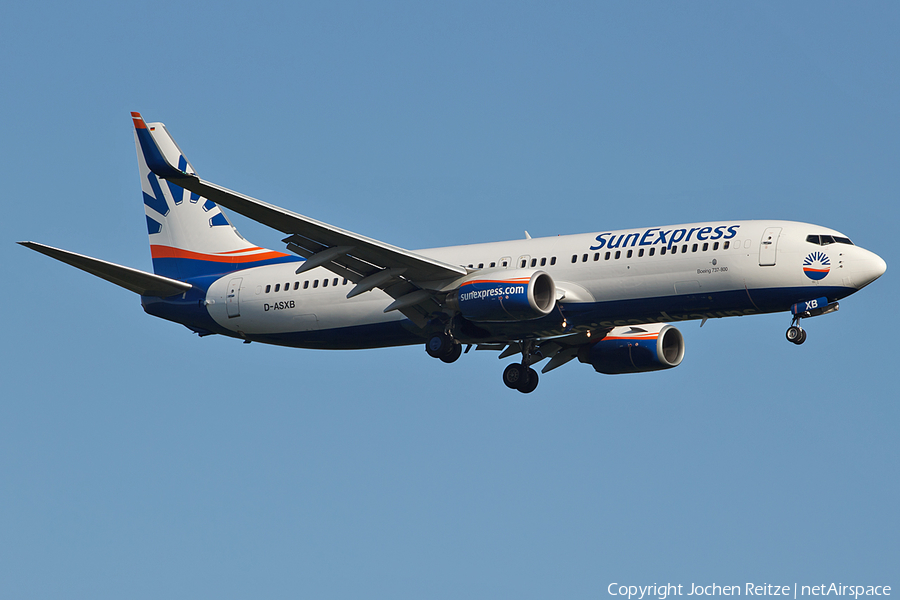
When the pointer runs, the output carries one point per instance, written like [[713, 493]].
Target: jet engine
[[635, 349], [517, 295]]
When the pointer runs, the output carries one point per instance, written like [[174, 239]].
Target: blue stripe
[[670, 309], [154, 158], [187, 268]]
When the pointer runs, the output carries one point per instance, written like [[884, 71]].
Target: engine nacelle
[[636, 349], [517, 295]]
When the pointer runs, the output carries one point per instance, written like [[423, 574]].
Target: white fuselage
[[603, 279]]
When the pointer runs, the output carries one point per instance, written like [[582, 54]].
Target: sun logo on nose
[[816, 265]]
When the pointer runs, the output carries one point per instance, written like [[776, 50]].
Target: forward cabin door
[[768, 246], [233, 297]]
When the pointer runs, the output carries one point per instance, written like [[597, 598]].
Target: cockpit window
[[824, 240]]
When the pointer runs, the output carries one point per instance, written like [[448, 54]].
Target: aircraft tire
[[439, 345], [453, 355], [793, 334], [530, 383], [513, 376]]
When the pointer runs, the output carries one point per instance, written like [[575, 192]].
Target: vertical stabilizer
[[190, 236]]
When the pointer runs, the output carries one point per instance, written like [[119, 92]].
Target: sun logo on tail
[[816, 265]]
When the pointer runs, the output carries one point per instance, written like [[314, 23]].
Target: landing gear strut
[[520, 376]]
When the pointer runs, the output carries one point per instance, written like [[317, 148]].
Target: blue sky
[[137, 460]]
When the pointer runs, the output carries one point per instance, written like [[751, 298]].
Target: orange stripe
[[522, 280], [169, 252], [816, 270], [244, 250], [138, 121]]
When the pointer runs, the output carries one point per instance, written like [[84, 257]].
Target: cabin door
[[768, 246], [233, 297]]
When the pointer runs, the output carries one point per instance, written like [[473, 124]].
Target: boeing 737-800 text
[[605, 298]]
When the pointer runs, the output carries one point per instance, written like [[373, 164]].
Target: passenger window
[[684, 248], [287, 286], [316, 283], [277, 286], [746, 243], [552, 260], [296, 285], [652, 251], [584, 258], [524, 262], [574, 258], [493, 265], [694, 248], [544, 261], [334, 283], [606, 257], [306, 284], [618, 254], [533, 262], [716, 246], [674, 250], [662, 251], [268, 288], [640, 252], [480, 265], [725, 245], [504, 264], [629, 253], [324, 283], [705, 246], [345, 281]]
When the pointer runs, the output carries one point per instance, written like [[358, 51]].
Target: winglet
[[156, 161]]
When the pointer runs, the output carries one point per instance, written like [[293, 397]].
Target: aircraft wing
[[369, 263], [146, 284]]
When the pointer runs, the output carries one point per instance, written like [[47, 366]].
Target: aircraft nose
[[869, 269]]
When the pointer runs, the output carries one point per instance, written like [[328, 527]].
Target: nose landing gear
[[795, 334], [803, 310]]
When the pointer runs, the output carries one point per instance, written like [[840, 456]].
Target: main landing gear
[[444, 347], [520, 376], [517, 376]]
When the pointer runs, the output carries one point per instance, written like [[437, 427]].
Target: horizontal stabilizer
[[146, 284]]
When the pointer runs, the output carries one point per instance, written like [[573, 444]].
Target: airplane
[[605, 298]]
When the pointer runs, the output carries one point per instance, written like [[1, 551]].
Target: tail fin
[[189, 235]]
